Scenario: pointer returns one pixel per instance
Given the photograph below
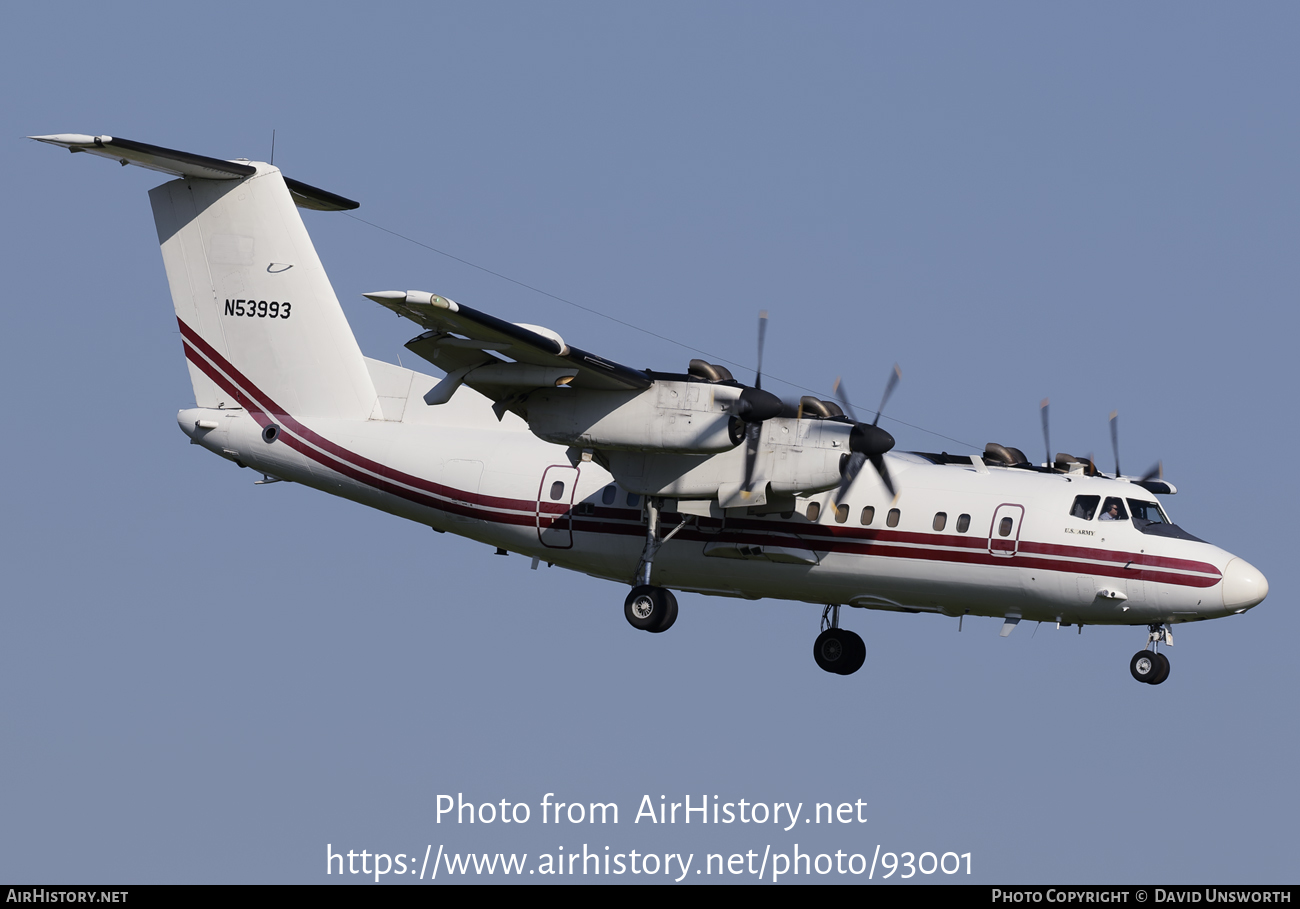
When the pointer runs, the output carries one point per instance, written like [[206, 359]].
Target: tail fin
[[256, 310]]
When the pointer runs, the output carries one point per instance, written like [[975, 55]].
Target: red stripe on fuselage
[[849, 540]]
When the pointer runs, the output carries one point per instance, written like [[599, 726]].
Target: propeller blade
[[889, 390], [1047, 441], [762, 336], [752, 433], [1157, 472], [1114, 437], [878, 462], [842, 396], [852, 465]]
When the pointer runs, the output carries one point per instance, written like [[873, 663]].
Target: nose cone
[[1244, 585]]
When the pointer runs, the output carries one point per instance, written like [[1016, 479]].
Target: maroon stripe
[[287, 420], [873, 541], [981, 543]]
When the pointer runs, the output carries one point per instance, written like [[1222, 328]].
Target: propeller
[[867, 442], [1047, 441], [1157, 470], [1114, 437], [750, 410]]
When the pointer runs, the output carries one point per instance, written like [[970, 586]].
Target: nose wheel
[[1150, 665]]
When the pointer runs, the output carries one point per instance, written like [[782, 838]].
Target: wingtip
[[67, 140]]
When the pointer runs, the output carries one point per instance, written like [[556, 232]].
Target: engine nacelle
[[795, 457], [676, 417]]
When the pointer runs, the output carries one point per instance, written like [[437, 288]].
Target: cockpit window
[[1147, 511], [1084, 507], [1113, 510]]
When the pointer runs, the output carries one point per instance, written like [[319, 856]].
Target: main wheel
[[855, 652], [650, 608], [1162, 672], [1144, 665], [839, 650], [669, 616]]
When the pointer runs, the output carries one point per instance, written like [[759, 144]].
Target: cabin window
[[1084, 507], [1147, 511], [1113, 510], [1004, 527], [607, 495], [841, 514], [963, 523], [814, 511], [892, 518], [633, 500], [557, 490], [868, 515], [940, 520]]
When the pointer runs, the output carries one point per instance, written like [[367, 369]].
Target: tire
[[1162, 672], [669, 615], [833, 652], [855, 652], [648, 608], [1144, 665]]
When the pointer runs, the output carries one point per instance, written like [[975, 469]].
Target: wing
[[502, 360]]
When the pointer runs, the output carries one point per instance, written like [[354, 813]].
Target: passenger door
[[555, 506], [1004, 532]]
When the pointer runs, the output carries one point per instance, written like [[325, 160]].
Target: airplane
[[661, 481]]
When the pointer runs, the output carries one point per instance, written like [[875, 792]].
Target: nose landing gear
[[837, 649], [1150, 665]]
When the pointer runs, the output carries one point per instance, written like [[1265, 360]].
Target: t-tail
[[261, 325]]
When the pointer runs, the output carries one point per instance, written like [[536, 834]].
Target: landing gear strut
[[1150, 665], [837, 649], [647, 607]]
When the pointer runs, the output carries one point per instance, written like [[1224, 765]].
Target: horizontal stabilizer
[[164, 160], [305, 196], [185, 164]]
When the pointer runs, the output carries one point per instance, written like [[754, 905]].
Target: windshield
[[1147, 511]]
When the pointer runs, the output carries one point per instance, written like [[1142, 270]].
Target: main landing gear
[[1150, 665], [837, 649], [648, 607]]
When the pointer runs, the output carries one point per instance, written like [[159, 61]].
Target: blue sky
[[205, 680]]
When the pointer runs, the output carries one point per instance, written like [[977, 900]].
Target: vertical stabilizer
[[250, 291]]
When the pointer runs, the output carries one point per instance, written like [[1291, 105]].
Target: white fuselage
[[456, 468]]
